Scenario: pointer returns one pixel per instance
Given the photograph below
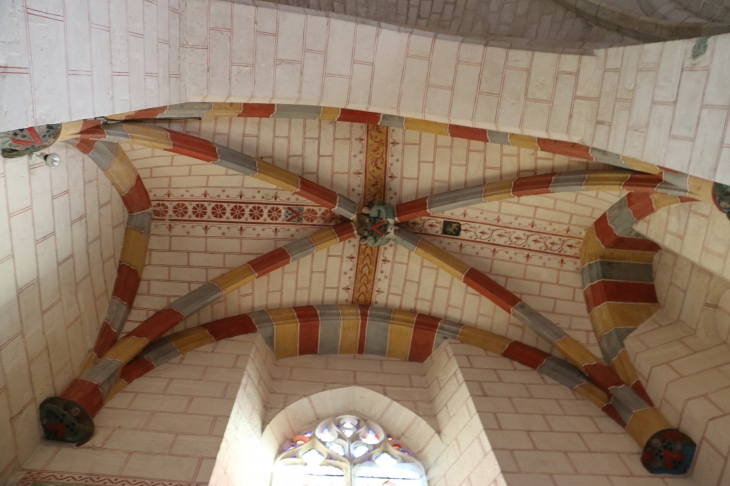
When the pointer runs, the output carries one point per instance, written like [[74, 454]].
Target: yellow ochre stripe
[[450, 264]]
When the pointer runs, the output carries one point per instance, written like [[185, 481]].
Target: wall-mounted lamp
[[52, 160]]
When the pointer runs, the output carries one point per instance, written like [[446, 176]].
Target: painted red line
[[423, 337], [570, 149], [309, 327], [469, 133], [319, 194], [491, 289], [532, 185], [357, 116], [194, 147], [230, 327], [412, 209], [524, 354], [363, 328], [603, 291], [157, 324], [85, 393], [268, 262], [257, 110]]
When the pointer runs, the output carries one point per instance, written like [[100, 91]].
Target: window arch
[[347, 451]]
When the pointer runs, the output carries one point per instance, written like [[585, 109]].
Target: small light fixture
[[52, 160]]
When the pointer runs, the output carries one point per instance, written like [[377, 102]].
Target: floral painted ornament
[[25, 141], [669, 452]]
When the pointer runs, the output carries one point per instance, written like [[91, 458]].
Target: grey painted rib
[[501, 138], [438, 341], [407, 239], [197, 299], [610, 270], [264, 326], [141, 221], [116, 314], [188, 110], [569, 181], [449, 329], [677, 180], [459, 198], [345, 207], [236, 161], [562, 372], [103, 368], [622, 219], [159, 352], [376, 337], [393, 121], [103, 154], [330, 327], [115, 132], [612, 342], [671, 189], [626, 402], [301, 112], [538, 323], [106, 386], [300, 248], [609, 158]]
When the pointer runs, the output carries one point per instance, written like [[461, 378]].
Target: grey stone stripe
[[676, 180], [187, 110], [197, 299], [626, 402], [455, 199], [107, 385], [345, 207], [438, 341], [406, 238], [117, 313], [103, 154], [612, 270], [449, 329], [562, 372], [622, 219], [160, 351], [330, 328], [115, 132], [609, 158], [236, 161], [501, 138], [538, 323], [376, 337], [103, 368], [264, 326], [612, 342], [141, 221], [569, 181], [301, 112], [672, 190], [393, 121], [300, 248]]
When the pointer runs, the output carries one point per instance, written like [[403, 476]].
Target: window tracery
[[347, 451]]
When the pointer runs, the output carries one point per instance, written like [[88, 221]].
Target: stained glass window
[[347, 451]]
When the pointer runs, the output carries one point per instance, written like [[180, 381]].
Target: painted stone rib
[[406, 238], [330, 328], [102, 370], [116, 314], [345, 207], [188, 110], [537, 323], [142, 222], [569, 181], [236, 161], [159, 352], [450, 329], [378, 325], [103, 154], [393, 121], [197, 299], [622, 219], [616, 270], [264, 325], [301, 112], [609, 158], [627, 402], [501, 138], [300, 248], [455, 199], [612, 343], [562, 372]]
